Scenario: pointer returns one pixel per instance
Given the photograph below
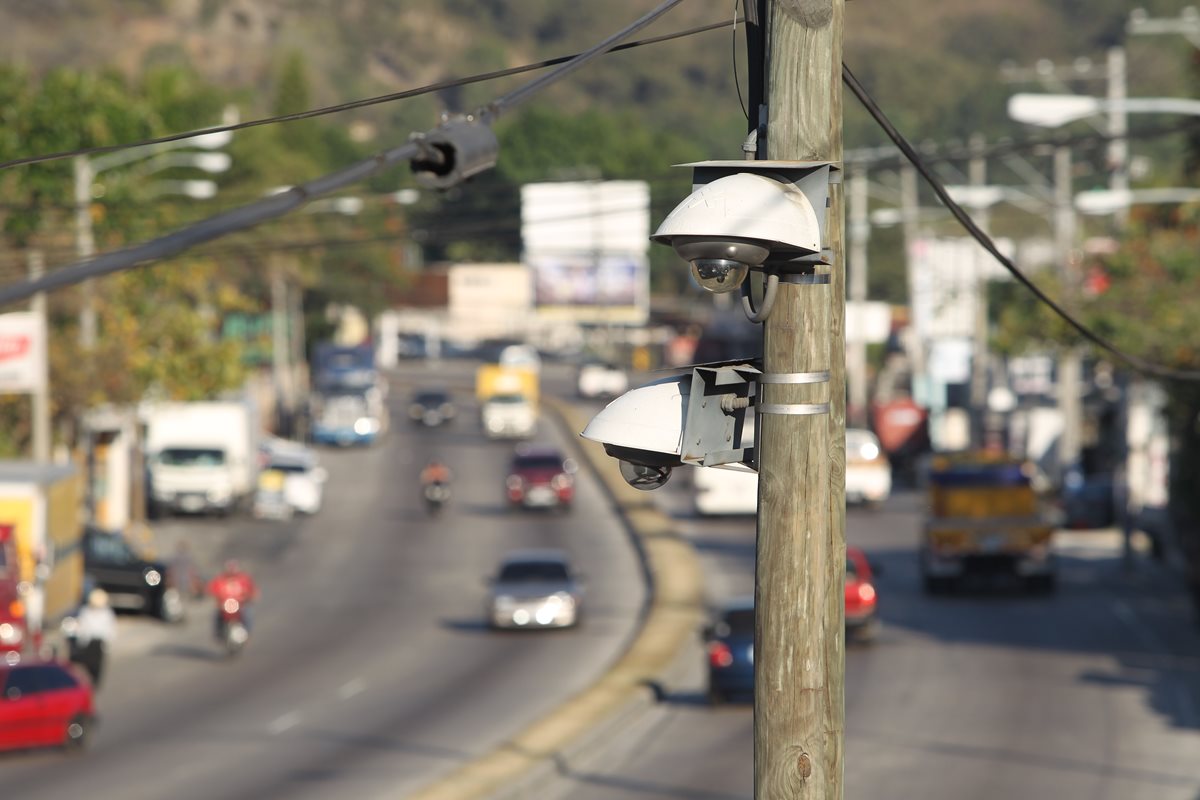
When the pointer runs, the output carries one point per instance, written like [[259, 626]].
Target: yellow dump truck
[[496, 379], [508, 400], [40, 511], [985, 517]]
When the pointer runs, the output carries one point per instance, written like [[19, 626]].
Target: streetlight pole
[[799, 713], [977, 174], [1069, 361], [860, 236], [85, 247]]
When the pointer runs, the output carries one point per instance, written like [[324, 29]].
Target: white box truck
[[202, 457]]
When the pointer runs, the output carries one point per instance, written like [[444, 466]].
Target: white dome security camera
[[735, 223], [644, 476], [643, 428]]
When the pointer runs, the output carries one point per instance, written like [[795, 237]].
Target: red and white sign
[[22, 353]]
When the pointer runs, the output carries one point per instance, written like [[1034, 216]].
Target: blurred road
[[1091, 693], [370, 670]]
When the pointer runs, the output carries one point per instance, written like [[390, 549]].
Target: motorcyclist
[[233, 583], [435, 472]]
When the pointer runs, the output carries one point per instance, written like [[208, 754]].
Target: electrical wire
[[737, 84], [277, 205], [353, 104], [504, 102], [1138, 363]]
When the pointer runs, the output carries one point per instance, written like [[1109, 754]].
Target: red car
[[540, 477], [44, 704], [862, 620]]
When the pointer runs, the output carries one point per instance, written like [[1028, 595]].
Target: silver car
[[535, 589]]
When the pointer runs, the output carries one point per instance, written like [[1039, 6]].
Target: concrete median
[[671, 619]]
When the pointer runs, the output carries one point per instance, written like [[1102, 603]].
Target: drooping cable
[[1137, 363], [354, 104], [426, 147], [505, 102]]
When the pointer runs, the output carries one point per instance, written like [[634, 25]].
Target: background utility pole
[[41, 395], [909, 217], [1069, 361], [85, 247], [280, 346], [860, 236], [980, 360], [801, 552]]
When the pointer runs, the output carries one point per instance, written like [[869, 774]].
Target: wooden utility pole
[[801, 552]]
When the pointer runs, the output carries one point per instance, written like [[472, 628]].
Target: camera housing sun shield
[[743, 215], [696, 419]]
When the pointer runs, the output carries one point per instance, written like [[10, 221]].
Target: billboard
[[22, 353], [586, 243]]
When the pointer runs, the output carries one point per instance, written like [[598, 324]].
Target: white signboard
[[944, 274], [587, 243], [22, 353], [869, 322]]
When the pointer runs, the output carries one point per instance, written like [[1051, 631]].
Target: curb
[[628, 688]]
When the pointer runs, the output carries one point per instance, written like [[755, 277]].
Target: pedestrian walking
[[96, 629]]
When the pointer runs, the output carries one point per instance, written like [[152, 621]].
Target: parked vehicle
[[729, 636], [535, 589], [431, 408], [44, 704], [40, 534], [13, 630], [540, 477], [202, 456], [132, 582], [985, 518], [597, 380]]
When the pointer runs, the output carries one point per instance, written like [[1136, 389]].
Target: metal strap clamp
[[793, 408]]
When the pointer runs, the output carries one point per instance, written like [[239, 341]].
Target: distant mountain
[[933, 64]]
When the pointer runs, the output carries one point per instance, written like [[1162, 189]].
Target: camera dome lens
[[644, 476], [719, 275]]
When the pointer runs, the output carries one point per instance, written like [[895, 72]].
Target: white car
[[868, 472], [601, 380], [304, 478]]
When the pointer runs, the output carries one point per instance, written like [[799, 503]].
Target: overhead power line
[[456, 149], [1136, 362], [362, 103]]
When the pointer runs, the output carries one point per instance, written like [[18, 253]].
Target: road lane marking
[[351, 688], [285, 722]]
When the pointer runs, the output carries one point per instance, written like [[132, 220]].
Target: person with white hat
[[96, 628]]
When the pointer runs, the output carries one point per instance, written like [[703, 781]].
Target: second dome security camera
[[744, 214]]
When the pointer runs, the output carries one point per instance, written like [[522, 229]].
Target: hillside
[[933, 63]]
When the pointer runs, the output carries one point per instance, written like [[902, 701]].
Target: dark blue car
[[729, 642]]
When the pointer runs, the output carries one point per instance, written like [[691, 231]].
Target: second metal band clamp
[[793, 379]]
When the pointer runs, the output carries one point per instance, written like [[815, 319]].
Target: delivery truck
[[202, 456]]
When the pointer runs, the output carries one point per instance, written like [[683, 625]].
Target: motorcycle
[[232, 631], [436, 495]]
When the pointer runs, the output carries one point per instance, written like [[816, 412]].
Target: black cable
[[501, 104], [737, 84], [1136, 362], [279, 204], [353, 104]]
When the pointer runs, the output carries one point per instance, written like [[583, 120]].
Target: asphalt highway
[[988, 695], [370, 670]]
